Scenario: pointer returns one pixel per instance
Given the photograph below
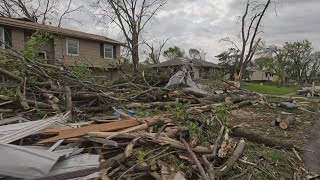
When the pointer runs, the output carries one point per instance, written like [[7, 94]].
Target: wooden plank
[[76, 132]]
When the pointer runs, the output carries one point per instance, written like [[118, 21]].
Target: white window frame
[[104, 51], [3, 46], [67, 47]]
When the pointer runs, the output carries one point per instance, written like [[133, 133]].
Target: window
[[2, 39], [42, 55], [108, 51], [72, 47]]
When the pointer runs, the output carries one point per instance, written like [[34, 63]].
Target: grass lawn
[[269, 89]]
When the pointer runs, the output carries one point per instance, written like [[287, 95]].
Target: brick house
[[67, 47]]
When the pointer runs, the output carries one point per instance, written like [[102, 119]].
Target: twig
[[194, 157]]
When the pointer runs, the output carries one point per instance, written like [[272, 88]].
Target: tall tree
[[250, 28], [277, 60], [173, 52], [40, 11], [131, 16], [300, 56], [314, 67]]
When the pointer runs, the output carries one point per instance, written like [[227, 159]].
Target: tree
[[154, 53], [264, 63], [173, 52], [40, 11], [314, 67], [197, 54], [194, 53], [131, 17], [300, 57], [277, 60], [250, 28]]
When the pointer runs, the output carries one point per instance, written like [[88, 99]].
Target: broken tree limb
[[255, 137], [21, 96], [194, 157], [53, 100], [11, 75], [226, 167], [214, 98], [238, 99], [69, 106], [209, 167], [163, 139], [240, 104], [216, 145]]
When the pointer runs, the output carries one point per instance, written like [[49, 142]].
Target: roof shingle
[[56, 30]]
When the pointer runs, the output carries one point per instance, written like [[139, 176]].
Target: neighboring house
[[67, 47], [199, 68], [256, 74]]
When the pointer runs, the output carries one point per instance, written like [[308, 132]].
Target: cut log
[[255, 137], [237, 99], [214, 98], [240, 104], [287, 122]]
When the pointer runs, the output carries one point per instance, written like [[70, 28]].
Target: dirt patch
[[260, 118]]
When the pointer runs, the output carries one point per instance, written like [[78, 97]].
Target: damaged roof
[[21, 23], [186, 61]]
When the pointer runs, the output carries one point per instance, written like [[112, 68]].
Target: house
[[199, 68], [67, 47], [256, 74]]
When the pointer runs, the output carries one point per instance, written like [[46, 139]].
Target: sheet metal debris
[[32, 128], [21, 162]]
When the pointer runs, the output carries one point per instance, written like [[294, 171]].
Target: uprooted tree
[[131, 17], [250, 28], [40, 11]]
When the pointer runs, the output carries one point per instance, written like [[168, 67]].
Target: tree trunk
[[135, 52]]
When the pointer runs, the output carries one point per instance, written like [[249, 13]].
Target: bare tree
[[154, 53], [40, 11], [131, 16], [250, 28]]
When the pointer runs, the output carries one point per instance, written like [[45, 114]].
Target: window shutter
[[114, 52], [8, 37], [101, 50]]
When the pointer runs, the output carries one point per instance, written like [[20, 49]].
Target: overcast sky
[[202, 23]]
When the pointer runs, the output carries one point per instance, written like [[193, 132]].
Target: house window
[[2, 39], [72, 47], [42, 55], [108, 51]]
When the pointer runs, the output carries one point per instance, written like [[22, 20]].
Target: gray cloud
[[202, 23]]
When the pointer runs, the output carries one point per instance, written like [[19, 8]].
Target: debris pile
[[56, 125]]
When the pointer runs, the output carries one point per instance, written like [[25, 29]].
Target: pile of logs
[[284, 121]]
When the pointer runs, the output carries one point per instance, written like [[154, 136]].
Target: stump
[[287, 122]]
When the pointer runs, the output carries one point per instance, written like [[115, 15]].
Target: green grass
[[269, 89]]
